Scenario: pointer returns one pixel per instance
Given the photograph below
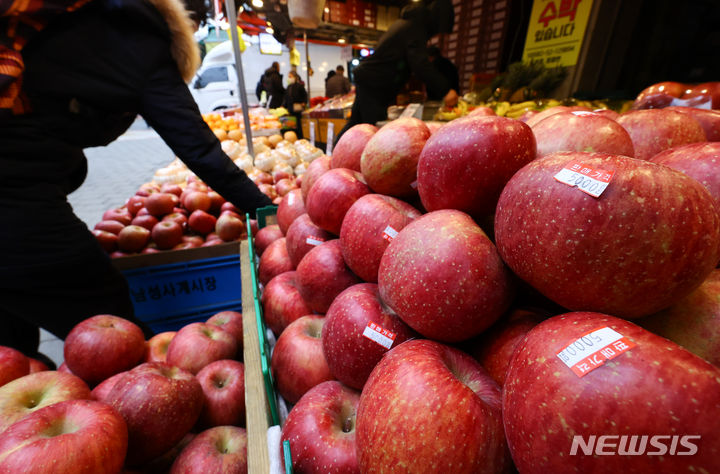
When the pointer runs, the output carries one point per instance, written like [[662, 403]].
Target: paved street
[[114, 174]]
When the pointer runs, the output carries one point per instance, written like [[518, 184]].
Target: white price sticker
[[389, 234], [591, 350], [588, 180], [330, 138], [377, 334], [312, 132], [312, 240]]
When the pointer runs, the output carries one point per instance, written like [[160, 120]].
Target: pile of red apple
[[170, 217], [431, 292], [174, 403]]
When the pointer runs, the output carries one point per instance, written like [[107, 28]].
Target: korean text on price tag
[[378, 334], [389, 233], [591, 350], [588, 180], [313, 240]]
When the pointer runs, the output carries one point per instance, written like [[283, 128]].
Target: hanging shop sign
[[556, 31]]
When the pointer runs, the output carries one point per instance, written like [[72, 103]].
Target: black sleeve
[[421, 66], [169, 108]]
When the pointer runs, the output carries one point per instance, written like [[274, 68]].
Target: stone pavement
[[114, 174]]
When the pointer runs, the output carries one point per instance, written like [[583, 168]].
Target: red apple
[[197, 200], [228, 206], [135, 203], [274, 261], [367, 229], [302, 236], [164, 463], [316, 169], [482, 112], [350, 352], [321, 430], [37, 365], [103, 389], [543, 114], [120, 254], [167, 234], [268, 190], [171, 189], [32, 392], [659, 95], [284, 186], [107, 240], [133, 238], [254, 226], [332, 195], [147, 189], [212, 236], [298, 363], [231, 322], [282, 302], [323, 274], [693, 322], [196, 240], [575, 248], [697, 160], [64, 368], [434, 125], [581, 131], [223, 385], [194, 184], [229, 227], [266, 236], [216, 202], [348, 150], [110, 226], [157, 346], [120, 214], [263, 178], [424, 390], [74, 436], [222, 449], [197, 344], [212, 243], [709, 120], [291, 207], [160, 404], [142, 212], [444, 277], [484, 152], [188, 245], [655, 130], [607, 113], [103, 345], [147, 221], [495, 347], [650, 387], [151, 248], [202, 222], [278, 175], [390, 158], [160, 204]]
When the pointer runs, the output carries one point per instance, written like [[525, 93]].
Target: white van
[[215, 84]]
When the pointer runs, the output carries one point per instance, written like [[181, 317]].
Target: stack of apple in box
[[461, 300], [170, 217], [174, 403]]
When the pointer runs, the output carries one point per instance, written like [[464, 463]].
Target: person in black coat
[[295, 98], [87, 75], [446, 68], [400, 51], [272, 85]]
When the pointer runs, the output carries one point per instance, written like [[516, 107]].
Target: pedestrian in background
[[295, 98], [338, 84], [271, 83]]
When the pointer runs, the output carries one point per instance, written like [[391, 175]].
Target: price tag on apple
[[389, 233], [378, 334], [330, 138], [312, 240], [591, 350], [589, 180]]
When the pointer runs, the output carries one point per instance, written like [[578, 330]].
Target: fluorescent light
[[269, 30], [341, 41], [257, 3], [327, 10], [355, 62]]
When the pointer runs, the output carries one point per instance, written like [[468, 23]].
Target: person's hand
[[451, 98]]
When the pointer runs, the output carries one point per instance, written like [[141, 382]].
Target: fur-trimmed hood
[[183, 47]]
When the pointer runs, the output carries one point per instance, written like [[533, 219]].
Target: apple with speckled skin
[[13, 364], [542, 115], [575, 249], [321, 430], [654, 387], [303, 236], [332, 195], [659, 95], [348, 150], [222, 449], [274, 261], [581, 131], [282, 302], [484, 152], [73, 436], [291, 207], [157, 346], [709, 120], [32, 392], [697, 160], [316, 169], [103, 389], [444, 277], [265, 237], [197, 344], [693, 322], [431, 408], [229, 321], [298, 363], [322, 275], [390, 158], [223, 385], [656, 130], [367, 229], [351, 355], [160, 404]]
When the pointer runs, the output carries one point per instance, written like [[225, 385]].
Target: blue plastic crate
[[177, 322]]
